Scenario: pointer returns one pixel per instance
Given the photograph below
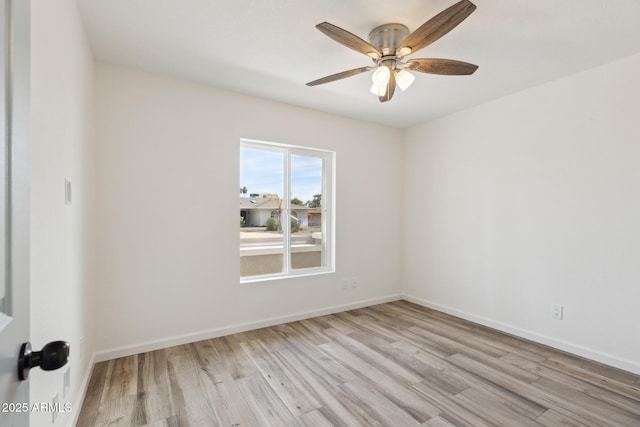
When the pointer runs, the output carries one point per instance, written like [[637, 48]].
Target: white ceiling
[[271, 48]]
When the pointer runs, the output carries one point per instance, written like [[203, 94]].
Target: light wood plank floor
[[395, 364]]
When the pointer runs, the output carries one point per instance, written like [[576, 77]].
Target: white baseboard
[[143, 347], [607, 359]]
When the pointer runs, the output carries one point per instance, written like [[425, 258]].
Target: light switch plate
[[66, 383], [67, 192]]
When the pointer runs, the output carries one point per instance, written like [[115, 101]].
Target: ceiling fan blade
[[349, 40], [438, 26], [338, 76], [391, 88], [447, 67]]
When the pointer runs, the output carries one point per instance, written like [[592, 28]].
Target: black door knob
[[52, 356]]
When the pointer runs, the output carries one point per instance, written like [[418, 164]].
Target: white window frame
[[328, 209]]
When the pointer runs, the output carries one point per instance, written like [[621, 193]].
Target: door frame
[[15, 329]]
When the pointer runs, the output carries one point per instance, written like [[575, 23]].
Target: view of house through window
[[285, 210]]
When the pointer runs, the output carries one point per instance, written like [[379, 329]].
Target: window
[[286, 222]]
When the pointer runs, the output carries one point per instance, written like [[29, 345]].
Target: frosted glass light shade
[[378, 90], [404, 79], [381, 75]]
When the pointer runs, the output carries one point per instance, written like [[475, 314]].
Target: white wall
[[61, 106], [167, 210], [530, 200]]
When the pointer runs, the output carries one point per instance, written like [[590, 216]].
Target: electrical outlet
[[556, 311], [354, 282], [345, 284]]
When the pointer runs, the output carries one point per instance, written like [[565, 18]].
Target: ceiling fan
[[391, 43]]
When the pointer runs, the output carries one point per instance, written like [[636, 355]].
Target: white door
[[14, 208]]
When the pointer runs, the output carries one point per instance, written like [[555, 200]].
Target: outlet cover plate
[[556, 311]]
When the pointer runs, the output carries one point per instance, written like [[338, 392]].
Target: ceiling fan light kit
[[391, 43], [404, 79]]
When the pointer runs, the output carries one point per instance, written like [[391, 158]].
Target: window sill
[[271, 277]]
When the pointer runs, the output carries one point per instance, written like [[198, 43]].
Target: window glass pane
[[261, 207], [306, 212]]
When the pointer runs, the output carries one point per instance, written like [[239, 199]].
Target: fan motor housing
[[386, 38]]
